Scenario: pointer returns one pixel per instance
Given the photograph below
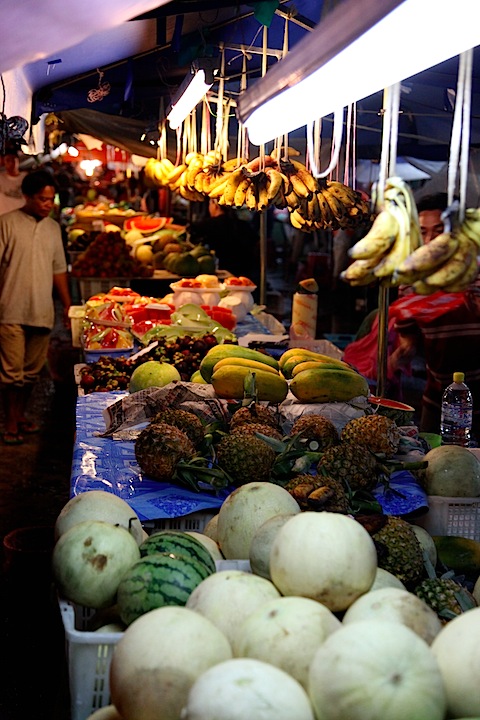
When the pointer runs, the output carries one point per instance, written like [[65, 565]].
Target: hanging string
[[221, 91], [336, 146], [346, 168], [285, 50], [460, 137], [354, 145], [242, 131]]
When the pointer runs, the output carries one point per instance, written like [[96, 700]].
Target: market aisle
[[34, 486]]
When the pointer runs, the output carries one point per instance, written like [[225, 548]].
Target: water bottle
[[456, 418]]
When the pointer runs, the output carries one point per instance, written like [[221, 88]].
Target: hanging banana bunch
[[448, 262], [394, 235]]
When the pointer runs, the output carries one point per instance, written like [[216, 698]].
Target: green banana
[[229, 383]]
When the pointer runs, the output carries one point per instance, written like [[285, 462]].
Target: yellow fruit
[[244, 362], [229, 383], [132, 235], [229, 350], [328, 385], [315, 365], [144, 253]]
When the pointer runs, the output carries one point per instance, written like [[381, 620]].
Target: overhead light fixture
[[195, 86], [360, 48]]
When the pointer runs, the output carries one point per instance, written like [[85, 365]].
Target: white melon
[[376, 670], [207, 542], [325, 556], [457, 651], [99, 505], [158, 659], [245, 510], [244, 688], [228, 597], [261, 544], [383, 578], [286, 632], [452, 471], [396, 605]]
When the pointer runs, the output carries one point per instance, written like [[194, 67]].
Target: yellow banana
[[306, 176], [360, 272], [193, 156], [336, 206], [251, 197], [299, 186], [421, 288], [199, 181], [455, 266], [430, 256], [401, 245], [159, 176], [181, 182], [218, 189], [291, 152], [191, 195], [168, 166], [234, 181], [297, 220], [176, 173], [342, 192], [240, 192], [314, 212], [194, 167], [292, 199], [466, 279], [328, 218], [471, 228], [379, 238], [275, 181], [211, 159], [233, 164]]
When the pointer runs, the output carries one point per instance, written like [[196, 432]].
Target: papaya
[[323, 360], [308, 355], [328, 385], [459, 554], [218, 352], [229, 383], [315, 365], [244, 362], [197, 378]]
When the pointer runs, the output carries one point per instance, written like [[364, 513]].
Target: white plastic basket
[[89, 656], [195, 521], [454, 516]]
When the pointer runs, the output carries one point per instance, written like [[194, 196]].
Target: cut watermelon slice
[[146, 224], [401, 413]]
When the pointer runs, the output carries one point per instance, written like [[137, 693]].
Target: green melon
[[156, 581], [177, 542]]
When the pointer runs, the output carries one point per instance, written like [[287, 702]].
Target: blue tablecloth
[[110, 465]]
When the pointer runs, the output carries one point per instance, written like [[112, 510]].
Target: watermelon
[[177, 542], [158, 580], [145, 224], [401, 413]]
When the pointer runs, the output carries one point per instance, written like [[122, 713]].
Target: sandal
[[28, 427], [11, 438]]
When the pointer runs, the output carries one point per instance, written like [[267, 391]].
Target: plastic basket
[[455, 516], [76, 313], [195, 521], [89, 655]]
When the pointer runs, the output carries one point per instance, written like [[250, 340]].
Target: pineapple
[[399, 551], [377, 432], [158, 449], [352, 464], [318, 431], [245, 458], [252, 428], [446, 596], [254, 413], [184, 420], [318, 492]]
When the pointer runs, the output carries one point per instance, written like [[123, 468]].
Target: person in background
[[234, 241], [32, 265], [443, 329], [11, 196]]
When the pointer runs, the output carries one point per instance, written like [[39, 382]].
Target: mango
[[229, 383], [460, 554]]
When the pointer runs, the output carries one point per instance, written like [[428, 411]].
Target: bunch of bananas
[[330, 206], [448, 263], [394, 235], [261, 183]]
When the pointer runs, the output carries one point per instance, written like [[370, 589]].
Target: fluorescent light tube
[[191, 96], [361, 47]]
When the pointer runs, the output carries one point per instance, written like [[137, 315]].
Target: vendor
[[234, 241]]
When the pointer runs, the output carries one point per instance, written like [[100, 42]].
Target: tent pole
[[382, 350], [263, 258]]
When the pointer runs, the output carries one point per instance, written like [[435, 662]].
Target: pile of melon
[[309, 629]]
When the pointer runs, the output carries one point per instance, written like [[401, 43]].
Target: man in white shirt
[[11, 196]]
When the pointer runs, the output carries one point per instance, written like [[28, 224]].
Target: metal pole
[[263, 258], [382, 349]]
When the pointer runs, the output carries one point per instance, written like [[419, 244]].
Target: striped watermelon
[[158, 580], [177, 542]]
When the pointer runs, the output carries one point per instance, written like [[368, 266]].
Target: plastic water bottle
[[456, 418]]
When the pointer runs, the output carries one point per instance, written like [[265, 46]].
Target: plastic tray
[[452, 516]]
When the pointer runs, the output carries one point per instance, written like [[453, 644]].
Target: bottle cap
[[458, 377]]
